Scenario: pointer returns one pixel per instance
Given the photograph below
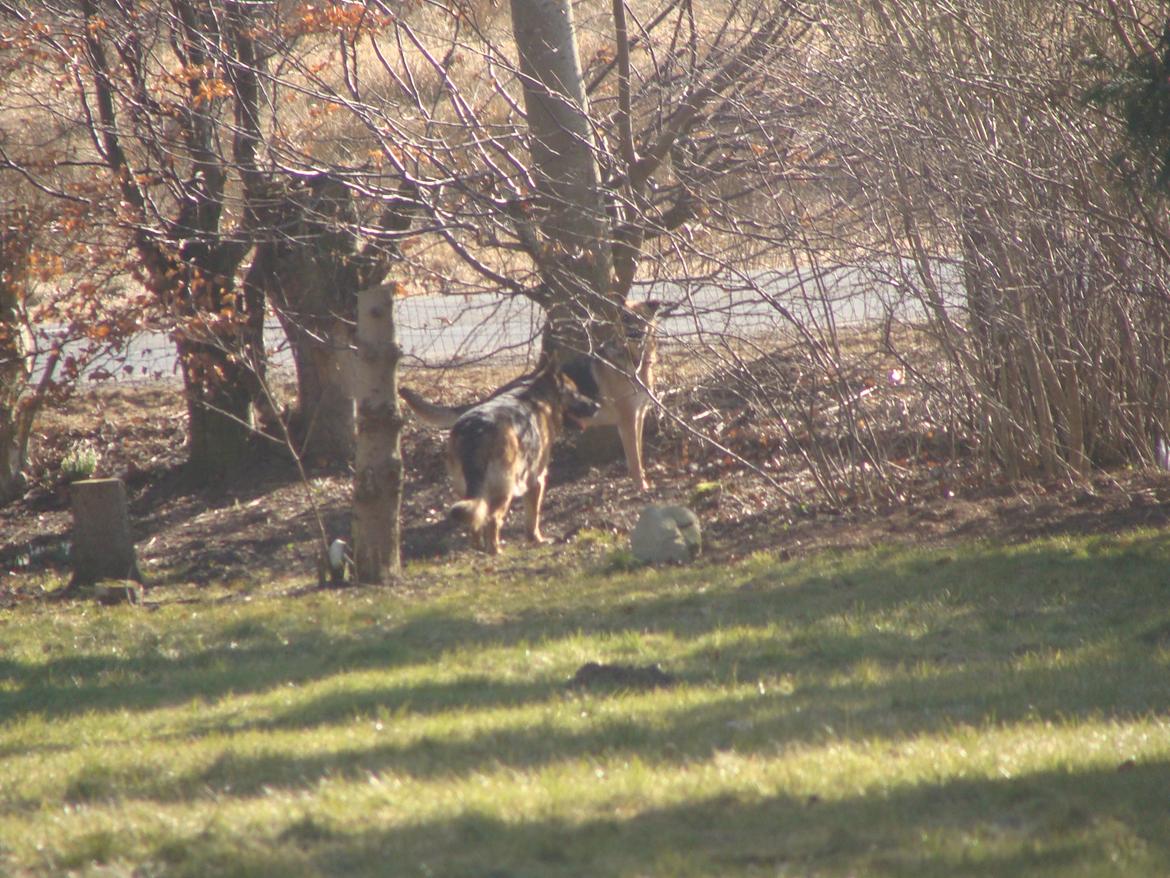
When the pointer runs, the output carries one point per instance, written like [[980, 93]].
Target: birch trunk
[[377, 486]]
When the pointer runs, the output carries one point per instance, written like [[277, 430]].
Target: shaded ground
[[267, 527]]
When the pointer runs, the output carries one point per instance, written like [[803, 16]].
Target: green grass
[[979, 711]]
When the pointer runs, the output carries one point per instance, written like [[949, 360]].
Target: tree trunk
[[13, 426], [571, 214], [219, 410], [377, 486], [312, 271], [191, 264], [13, 453], [16, 407], [325, 415]]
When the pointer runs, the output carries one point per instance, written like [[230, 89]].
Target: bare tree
[[552, 177], [62, 312], [567, 224], [166, 155], [183, 107]]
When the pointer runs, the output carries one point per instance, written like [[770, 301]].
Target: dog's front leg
[[630, 421]]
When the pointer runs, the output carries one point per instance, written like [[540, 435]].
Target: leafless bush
[[977, 180]]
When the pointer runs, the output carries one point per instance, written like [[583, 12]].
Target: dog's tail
[[430, 413], [471, 513]]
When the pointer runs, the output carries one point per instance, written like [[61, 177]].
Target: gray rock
[[666, 534]]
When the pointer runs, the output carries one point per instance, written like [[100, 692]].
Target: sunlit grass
[[976, 711]]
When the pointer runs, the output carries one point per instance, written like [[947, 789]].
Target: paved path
[[441, 330]]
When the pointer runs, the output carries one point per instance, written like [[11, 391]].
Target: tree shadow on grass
[[1110, 820], [748, 723], [257, 662], [992, 608]]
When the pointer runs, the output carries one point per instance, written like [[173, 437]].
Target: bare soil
[[265, 527]]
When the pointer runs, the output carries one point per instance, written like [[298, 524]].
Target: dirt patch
[[265, 527]]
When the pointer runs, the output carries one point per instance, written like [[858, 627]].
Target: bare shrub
[[985, 187]]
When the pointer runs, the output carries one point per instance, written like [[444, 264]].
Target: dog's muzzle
[[579, 413]]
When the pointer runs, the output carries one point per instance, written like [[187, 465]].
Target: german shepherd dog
[[499, 450], [622, 397]]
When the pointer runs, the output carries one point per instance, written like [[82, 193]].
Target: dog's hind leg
[[498, 504], [532, 501], [489, 539], [491, 530]]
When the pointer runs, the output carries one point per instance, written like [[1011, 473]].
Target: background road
[[445, 331]]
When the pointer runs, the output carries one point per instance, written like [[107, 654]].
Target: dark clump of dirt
[[751, 488], [593, 676]]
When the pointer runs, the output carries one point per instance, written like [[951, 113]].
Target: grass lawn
[[976, 711]]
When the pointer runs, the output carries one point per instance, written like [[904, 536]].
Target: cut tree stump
[[102, 548]]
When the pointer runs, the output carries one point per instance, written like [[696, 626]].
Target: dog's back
[[480, 457], [499, 450], [618, 382], [495, 446]]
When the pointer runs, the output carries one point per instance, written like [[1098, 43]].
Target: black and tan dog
[[499, 450], [623, 396]]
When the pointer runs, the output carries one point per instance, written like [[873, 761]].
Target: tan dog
[[623, 397], [499, 450]]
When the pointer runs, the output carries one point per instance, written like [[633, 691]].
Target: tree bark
[[325, 408], [377, 487]]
